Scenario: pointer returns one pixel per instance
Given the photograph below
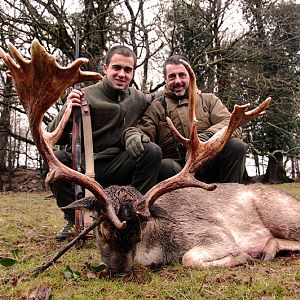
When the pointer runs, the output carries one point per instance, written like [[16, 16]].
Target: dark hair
[[173, 60], [121, 50]]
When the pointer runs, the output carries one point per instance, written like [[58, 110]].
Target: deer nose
[[108, 274], [126, 276]]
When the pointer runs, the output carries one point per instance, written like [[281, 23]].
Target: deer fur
[[228, 226]]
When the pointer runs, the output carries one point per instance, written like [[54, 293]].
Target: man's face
[[177, 79], [120, 71]]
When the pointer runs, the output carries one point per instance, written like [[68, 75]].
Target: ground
[[29, 222], [22, 180]]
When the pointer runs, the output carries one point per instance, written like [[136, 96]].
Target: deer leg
[[275, 245], [199, 257], [219, 250]]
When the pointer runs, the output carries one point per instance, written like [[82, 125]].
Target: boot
[[67, 232]]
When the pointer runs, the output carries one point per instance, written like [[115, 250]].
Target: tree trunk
[[275, 172], [5, 123]]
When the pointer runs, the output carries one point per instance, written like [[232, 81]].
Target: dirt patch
[[23, 180]]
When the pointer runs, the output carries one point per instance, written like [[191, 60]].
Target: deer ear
[[143, 217], [89, 203]]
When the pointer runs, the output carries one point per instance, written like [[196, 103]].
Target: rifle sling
[[88, 142]]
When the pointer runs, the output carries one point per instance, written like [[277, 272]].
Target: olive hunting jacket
[[211, 113], [112, 111]]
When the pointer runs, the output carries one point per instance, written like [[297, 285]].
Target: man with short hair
[[114, 106], [212, 115]]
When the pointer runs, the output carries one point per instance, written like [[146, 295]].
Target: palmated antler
[[198, 153], [39, 83]]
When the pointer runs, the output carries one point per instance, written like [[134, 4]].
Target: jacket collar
[[176, 99], [112, 93]]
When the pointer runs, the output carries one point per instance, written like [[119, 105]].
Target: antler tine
[[39, 83], [208, 150], [198, 153]]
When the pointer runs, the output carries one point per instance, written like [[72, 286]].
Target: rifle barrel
[[76, 132]]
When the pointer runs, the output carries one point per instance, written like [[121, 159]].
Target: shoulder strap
[[163, 102], [86, 219], [88, 141]]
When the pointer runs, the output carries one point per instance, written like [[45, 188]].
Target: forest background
[[243, 51]]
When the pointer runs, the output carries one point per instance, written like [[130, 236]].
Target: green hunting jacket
[[211, 113], [112, 111]]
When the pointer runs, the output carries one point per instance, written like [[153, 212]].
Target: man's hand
[[134, 144], [75, 97]]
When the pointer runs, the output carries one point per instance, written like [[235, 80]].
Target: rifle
[[76, 150]]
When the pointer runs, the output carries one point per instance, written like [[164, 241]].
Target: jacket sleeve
[[149, 122], [220, 116]]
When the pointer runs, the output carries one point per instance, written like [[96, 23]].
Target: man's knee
[[64, 157], [168, 168], [152, 151], [236, 148]]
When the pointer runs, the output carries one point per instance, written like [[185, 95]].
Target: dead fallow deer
[[180, 218]]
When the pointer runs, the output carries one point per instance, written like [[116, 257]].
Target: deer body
[[228, 226]]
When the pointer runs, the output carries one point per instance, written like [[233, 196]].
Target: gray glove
[[205, 136], [134, 144]]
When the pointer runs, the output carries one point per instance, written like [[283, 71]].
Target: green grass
[[29, 223]]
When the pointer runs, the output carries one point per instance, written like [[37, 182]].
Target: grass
[[29, 223]]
